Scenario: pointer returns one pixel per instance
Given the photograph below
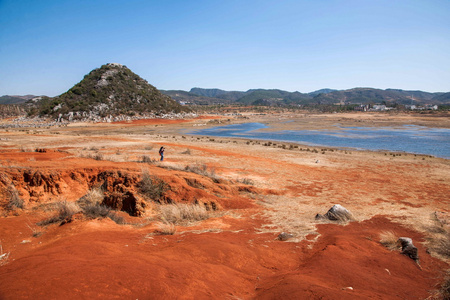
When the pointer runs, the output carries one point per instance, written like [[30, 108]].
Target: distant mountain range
[[120, 86], [324, 96], [14, 99]]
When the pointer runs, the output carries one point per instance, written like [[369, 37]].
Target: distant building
[[362, 107]]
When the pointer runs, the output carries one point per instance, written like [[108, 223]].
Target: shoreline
[[248, 136]]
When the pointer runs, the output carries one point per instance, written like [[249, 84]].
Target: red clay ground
[[235, 253]]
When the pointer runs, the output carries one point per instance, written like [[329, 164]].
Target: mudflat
[[248, 191]]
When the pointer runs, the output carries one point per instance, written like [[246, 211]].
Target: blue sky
[[48, 46]]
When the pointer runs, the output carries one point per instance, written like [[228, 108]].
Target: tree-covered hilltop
[[112, 89]]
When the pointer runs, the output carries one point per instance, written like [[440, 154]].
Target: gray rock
[[284, 236], [336, 213], [408, 248]]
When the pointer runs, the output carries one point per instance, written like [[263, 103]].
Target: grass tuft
[[183, 213], [165, 228], [94, 195], [389, 240]]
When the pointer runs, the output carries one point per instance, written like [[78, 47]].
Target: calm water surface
[[409, 138]]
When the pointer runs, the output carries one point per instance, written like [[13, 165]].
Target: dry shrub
[[246, 181], [444, 291], [389, 240], [183, 213], [100, 211], [116, 218], [92, 208], [152, 186], [188, 151], [65, 213], [438, 238], [96, 210], [97, 156], [165, 228], [14, 200], [203, 170], [94, 195], [147, 159]]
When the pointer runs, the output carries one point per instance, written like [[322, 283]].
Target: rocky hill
[[109, 91]]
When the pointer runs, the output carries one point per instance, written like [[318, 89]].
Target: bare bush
[[14, 200], [152, 186]]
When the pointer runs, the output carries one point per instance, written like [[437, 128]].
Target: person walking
[[161, 152]]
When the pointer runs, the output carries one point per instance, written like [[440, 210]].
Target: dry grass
[[182, 213], [203, 170], [94, 195], [389, 240], [246, 181], [444, 291], [289, 214], [165, 228], [65, 212], [438, 238], [36, 232]]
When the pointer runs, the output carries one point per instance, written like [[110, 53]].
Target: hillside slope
[[112, 89]]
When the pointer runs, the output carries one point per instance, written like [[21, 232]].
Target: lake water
[[408, 138]]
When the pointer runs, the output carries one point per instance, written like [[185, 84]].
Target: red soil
[[223, 257], [99, 259]]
